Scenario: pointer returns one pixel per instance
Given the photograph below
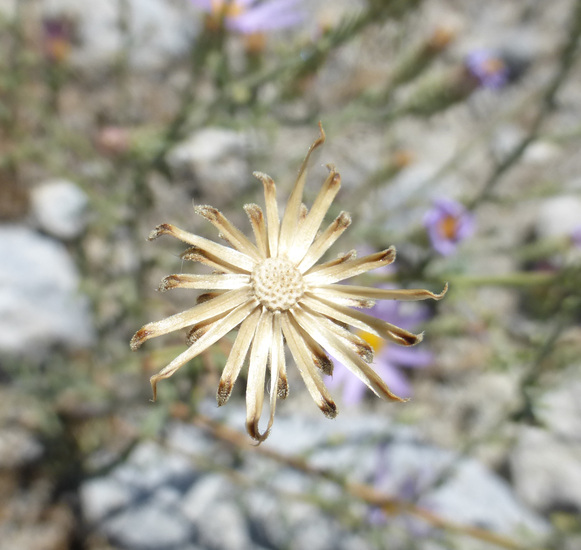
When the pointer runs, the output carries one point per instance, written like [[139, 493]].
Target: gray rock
[[150, 467], [546, 470], [17, 448], [60, 208], [364, 448], [159, 31], [558, 216], [103, 497], [149, 526], [39, 300], [215, 160]]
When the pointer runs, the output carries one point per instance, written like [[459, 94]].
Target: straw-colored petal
[[229, 255], [318, 356], [226, 281], [272, 218], [361, 320], [259, 354], [310, 374], [348, 357], [324, 241], [276, 354], [340, 292], [231, 234], [291, 214], [278, 360], [357, 344], [201, 312], [258, 224], [237, 356], [308, 229], [218, 330], [196, 254], [332, 274], [339, 260]]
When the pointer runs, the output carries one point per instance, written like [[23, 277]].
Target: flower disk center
[[277, 284]]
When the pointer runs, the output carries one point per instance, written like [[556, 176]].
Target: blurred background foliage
[[456, 127]]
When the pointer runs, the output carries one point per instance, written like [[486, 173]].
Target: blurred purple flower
[[57, 38], [448, 223], [576, 236], [389, 357], [253, 16], [488, 68]]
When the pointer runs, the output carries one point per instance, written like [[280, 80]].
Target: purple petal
[[277, 14], [396, 381], [407, 357]]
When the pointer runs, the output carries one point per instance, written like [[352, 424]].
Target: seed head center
[[277, 284]]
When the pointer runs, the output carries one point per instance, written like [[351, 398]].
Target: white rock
[[149, 527], [39, 300], [558, 216], [546, 469], [215, 159], [17, 448], [158, 31], [60, 208], [103, 496]]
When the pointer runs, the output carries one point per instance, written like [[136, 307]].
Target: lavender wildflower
[[250, 16], [57, 39], [488, 67], [389, 360], [448, 223]]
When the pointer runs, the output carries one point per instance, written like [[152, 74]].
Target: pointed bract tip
[[282, 389], [207, 211], [196, 333], [323, 363], [163, 229], [322, 136], [442, 294], [344, 219], [329, 408], [167, 283], [153, 381], [224, 392], [254, 431], [139, 337]]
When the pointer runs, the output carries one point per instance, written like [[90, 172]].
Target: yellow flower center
[[493, 65], [228, 9], [448, 227], [277, 283], [376, 342]]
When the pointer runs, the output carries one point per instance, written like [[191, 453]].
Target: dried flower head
[[275, 291]]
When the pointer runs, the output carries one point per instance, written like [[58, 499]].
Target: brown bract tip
[[410, 339], [254, 431], [163, 229], [344, 219], [207, 211], [442, 294], [169, 282], [139, 337], [254, 211], [282, 388], [224, 391], [196, 333], [365, 351], [206, 297], [329, 408], [389, 255], [323, 363]]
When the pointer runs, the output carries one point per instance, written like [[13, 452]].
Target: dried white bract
[[275, 291]]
